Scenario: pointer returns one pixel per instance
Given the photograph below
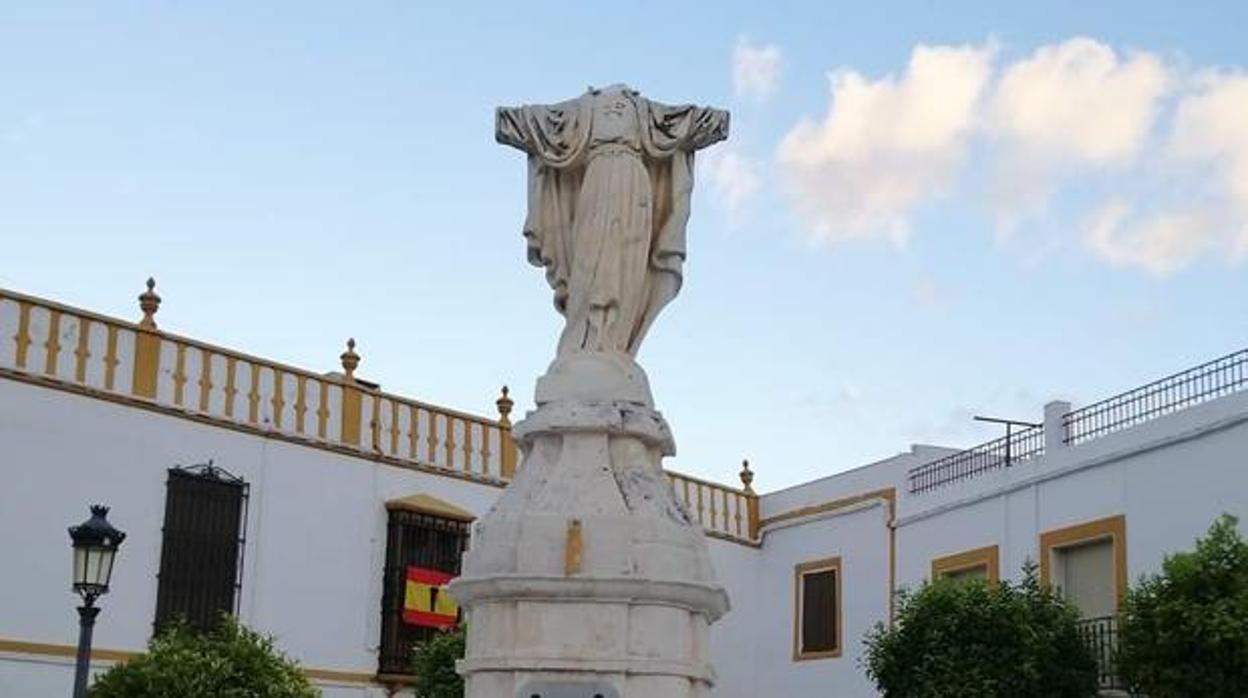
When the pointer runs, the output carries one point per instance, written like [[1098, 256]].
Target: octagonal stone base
[[588, 572]]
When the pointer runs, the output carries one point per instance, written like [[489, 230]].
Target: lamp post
[[95, 546]]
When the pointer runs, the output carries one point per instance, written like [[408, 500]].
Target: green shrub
[[1185, 631], [433, 665], [972, 639], [228, 662]]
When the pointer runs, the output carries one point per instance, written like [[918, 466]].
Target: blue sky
[[924, 211]]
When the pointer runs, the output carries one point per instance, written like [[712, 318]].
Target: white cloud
[[1160, 243], [755, 69], [1067, 109], [1211, 129], [885, 145], [1158, 155], [1079, 101], [733, 176]]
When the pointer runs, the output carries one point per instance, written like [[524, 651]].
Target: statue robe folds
[[609, 180]]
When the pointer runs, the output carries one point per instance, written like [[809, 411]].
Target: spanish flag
[[426, 602]]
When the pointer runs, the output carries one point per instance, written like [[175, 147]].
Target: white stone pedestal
[[588, 578]]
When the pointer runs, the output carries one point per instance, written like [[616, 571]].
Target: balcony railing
[[977, 460], [1203, 383], [723, 511], [1100, 636], [139, 364]]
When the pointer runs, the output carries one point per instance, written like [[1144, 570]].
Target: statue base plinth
[[594, 377], [588, 572]]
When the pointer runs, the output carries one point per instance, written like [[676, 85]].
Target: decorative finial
[[350, 359], [504, 408], [747, 476], [149, 303]]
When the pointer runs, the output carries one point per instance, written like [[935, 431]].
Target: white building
[[324, 491]]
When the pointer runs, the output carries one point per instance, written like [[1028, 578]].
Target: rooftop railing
[[1208, 381], [964, 465]]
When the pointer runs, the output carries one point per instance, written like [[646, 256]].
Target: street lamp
[[95, 545]]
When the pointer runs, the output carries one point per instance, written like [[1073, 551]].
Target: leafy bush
[[433, 664], [229, 662], [970, 639], [1185, 631]]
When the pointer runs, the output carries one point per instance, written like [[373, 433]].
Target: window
[[817, 605], [423, 549], [981, 563], [1087, 564], [201, 554]]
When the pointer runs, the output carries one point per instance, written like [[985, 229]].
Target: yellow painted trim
[[573, 550], [449, 443], [888, 493], [22, 338], [301, 404], [278, 401], [179, 375], [340, 676], [205, 380], [83, 352], [46, 649], [230, 390], [322, 412], [800, 570], [467, 446], [428, 504], [374, 422], [351, 407], [146, 364], [110, 359], [53, 344], [253, 394], [510, 453], [87, 391], [987, 557], [1113, 528]]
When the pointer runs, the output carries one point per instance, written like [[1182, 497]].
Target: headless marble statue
[[610, 176]]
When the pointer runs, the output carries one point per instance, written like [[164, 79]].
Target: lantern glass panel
[[80, 565]]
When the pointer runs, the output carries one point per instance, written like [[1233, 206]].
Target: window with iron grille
[[201, 555], [413, 540]]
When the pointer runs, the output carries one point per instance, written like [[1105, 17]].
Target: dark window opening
[[819, 612], [201, 555], [413, 539]]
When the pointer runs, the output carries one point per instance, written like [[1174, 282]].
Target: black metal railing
[[1203, 383], [964, 465], [1100, 636]]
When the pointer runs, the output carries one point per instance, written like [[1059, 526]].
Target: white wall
[[316, 530], [314, 540], [1170, 478]]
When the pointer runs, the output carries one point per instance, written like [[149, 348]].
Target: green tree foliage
[[972, 639], [433, 664], [229, 662], [1185, 631]]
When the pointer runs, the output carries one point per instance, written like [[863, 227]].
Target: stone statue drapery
[[610, 177]]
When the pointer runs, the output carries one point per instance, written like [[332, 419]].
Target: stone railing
[[137, 363], [724, 512], [140, 363]]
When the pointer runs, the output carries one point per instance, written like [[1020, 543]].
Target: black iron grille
[[201, 556], [413, 538]]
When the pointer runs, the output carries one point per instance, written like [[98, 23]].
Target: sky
[[925, 211]]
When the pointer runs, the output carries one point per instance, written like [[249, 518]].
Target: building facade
[[327, 512]]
